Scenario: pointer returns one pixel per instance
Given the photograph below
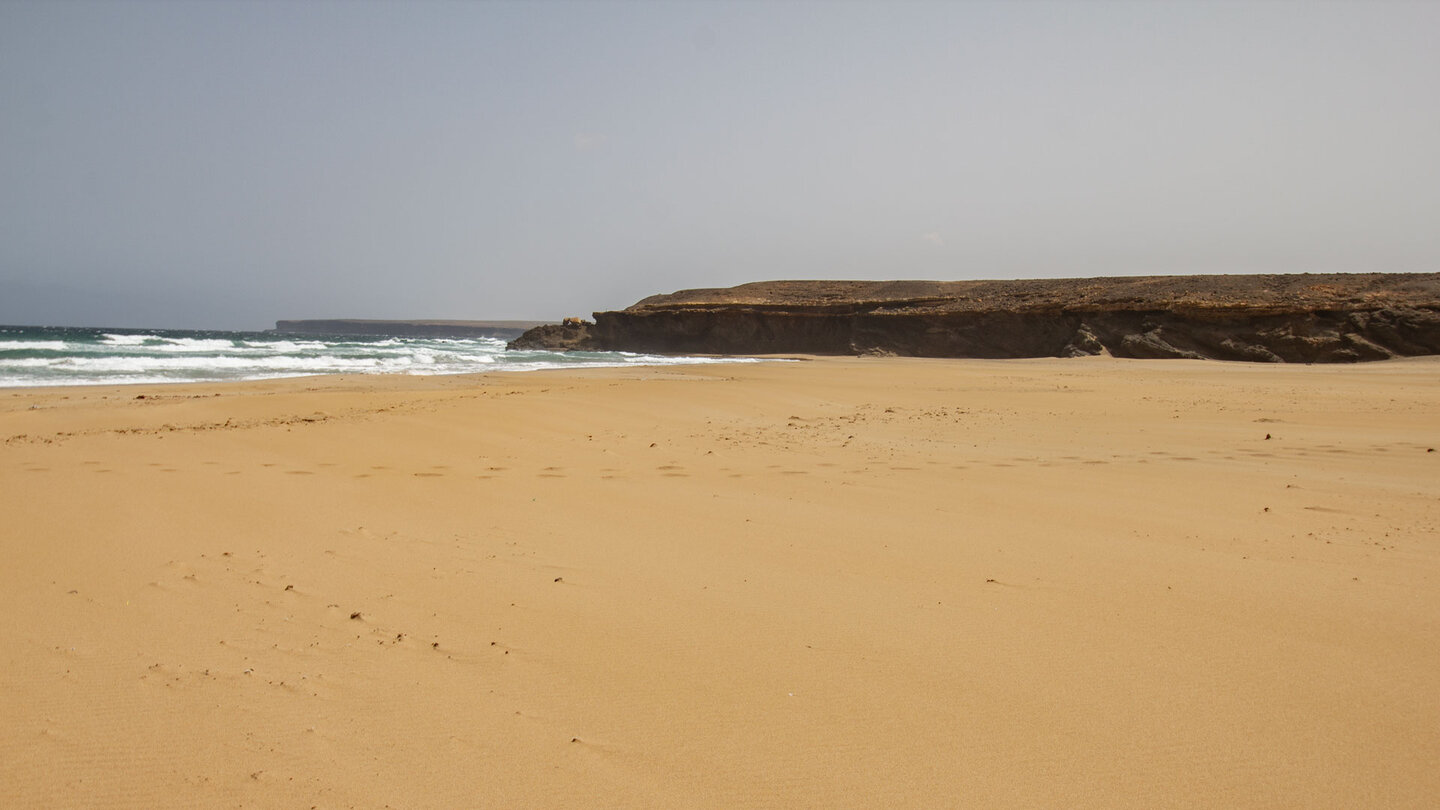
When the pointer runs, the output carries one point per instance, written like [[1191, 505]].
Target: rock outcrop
[[572, 335], [1274, 318], [502, 330]]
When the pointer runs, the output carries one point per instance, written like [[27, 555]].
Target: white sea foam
[[281, 345], [30, 362], [87, 357], [32, 345], [128, 340], [194, 345]]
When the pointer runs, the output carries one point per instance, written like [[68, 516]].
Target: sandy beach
[[835, 582]]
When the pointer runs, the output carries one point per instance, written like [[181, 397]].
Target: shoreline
[[840, 582], [41, 358]]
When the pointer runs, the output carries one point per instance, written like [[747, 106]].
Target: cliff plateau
[[1307, 318]]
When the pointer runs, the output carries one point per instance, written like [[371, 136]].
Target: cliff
[[1274, 318], [430, 329]]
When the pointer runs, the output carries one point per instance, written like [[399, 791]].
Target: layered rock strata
[[1307, 318]]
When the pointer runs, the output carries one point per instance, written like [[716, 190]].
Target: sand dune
[[829, 583]]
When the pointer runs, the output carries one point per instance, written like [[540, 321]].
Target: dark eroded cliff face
[[1297, 318]]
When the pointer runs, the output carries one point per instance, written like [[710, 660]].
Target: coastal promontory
[[1309, 318]]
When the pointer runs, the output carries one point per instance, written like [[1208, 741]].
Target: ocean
[[38, 356]]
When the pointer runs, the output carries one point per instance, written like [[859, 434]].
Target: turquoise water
[[34, 356]]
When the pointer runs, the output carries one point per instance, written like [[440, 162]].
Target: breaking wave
[[34, 356]]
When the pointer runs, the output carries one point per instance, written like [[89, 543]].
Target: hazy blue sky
[[229, 163]]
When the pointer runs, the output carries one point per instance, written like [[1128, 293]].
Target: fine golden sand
[[827, 583]]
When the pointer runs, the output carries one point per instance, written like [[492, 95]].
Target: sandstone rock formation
[[1275, 318]]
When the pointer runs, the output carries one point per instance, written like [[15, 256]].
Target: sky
[[226, 164]]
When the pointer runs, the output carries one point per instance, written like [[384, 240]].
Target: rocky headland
[[1304, 318]]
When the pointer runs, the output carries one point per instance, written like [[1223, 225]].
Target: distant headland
[[502, 330], [1305, 318]]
